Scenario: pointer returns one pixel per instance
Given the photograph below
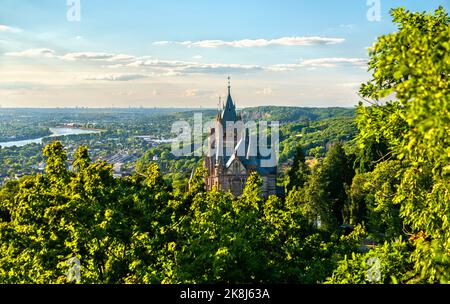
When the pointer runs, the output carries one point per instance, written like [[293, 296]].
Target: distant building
[[229, 173]]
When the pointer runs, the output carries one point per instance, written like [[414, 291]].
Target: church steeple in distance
[[229, 112], [230, 103]]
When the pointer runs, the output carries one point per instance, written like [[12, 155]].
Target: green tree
[[7, 194], [119, 229], [413, 65], [327, 189], [371, 200], [197, 184], [386, 264], [298, 174]]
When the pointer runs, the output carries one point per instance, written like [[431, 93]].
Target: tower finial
[[229, 85]]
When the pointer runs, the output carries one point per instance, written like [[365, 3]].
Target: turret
[[229, 111]]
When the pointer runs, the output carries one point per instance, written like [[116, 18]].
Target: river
[[56, 132]]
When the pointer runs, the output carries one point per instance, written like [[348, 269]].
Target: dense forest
[[375, 210]]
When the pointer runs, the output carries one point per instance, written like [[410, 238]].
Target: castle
[[228, 169]]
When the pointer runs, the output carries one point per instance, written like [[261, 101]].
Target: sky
[[173, 53]]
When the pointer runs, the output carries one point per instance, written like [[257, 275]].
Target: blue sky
[[179, 53]]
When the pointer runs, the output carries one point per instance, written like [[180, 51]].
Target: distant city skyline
[[178, 54]]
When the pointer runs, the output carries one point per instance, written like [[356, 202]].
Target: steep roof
[[229, 111]]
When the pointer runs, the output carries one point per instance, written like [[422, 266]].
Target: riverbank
[[54, 132], [31, 136]]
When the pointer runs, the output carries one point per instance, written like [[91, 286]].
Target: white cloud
[[114, 77], [197, 92], [197, 57], [80, 56], [333, 62], [179, 67], [156, 63], [312, 64], [247, 43], [266, 91], [9, 29], [148, 66], [219, 68], [283, 67], [95, 56], [48, 53], [186, 67], [161, 42], [86, 56]]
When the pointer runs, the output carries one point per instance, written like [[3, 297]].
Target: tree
[[7, 194], [327, 189], [56, 168], [371, 200], [82, 159], [412, 65], [385, 264], [298, 174], [197, 184], [120, 229]]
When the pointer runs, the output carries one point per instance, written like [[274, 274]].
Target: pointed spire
[[229, 109], [230, 104]]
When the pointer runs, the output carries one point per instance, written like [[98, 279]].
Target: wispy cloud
[[48, 53], [248, 43], [188, 67], [113, 77], [79, 56], [197, 92], [266, 91], [162, 42], [334, 62], [218, 68], [9, 29], [123, 61], [158, 63], [98, 57], [131, 65], [319, 63]]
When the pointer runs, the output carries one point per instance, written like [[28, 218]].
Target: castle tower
[[227, 167]]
